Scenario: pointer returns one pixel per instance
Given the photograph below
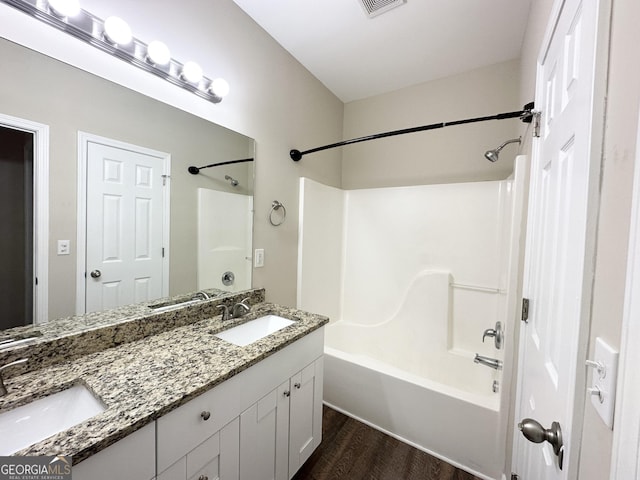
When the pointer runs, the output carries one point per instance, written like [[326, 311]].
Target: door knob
[[536, 433], [496, 333], [96, 274]]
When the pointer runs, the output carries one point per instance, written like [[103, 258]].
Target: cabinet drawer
[[188, 426], [206, 453]]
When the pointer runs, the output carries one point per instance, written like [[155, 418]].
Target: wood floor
[[351, 450]]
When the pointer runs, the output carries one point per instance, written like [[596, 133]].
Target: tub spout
[[489, 362]]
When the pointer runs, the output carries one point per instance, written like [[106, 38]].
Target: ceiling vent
[[373, 8]]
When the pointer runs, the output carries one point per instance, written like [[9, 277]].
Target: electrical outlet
[[258, 258], [64, 247]]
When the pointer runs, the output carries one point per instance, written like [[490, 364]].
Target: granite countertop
[[142, 380]]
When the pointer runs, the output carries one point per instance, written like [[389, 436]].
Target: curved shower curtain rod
[[526, 115], [196, 170]]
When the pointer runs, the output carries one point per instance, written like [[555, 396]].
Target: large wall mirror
[[89, 114]]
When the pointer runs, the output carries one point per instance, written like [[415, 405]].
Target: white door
[[124, 226], [555, 248]]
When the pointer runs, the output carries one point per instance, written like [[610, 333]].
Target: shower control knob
[[496, 333], [205, 415], [96, 274]]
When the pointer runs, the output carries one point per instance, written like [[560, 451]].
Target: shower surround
[[411, 277]]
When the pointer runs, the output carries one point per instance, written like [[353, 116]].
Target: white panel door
[[557, 232], [124, 227]]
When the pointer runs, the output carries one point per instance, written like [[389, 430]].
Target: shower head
[[492, 155], [234, 182]]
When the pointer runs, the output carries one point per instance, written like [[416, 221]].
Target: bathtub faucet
[[489, 362]]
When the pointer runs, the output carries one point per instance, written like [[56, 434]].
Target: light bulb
[[219, 87], [158, 53], [65, 8], [117, 31], [192, 72]]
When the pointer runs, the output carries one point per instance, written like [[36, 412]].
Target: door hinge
[[525, 310], [164, 179], [36, 280], [162, 252], [514, 476], [536, 124]]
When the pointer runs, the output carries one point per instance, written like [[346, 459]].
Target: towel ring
[[275, 206]]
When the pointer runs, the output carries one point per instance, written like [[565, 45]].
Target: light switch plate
[[258, 258], [605, 381]]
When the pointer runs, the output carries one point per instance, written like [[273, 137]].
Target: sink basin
[[254, 330], [35, 421]]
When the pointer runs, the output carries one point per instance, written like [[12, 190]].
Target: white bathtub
[[399, 377], [411, 278]]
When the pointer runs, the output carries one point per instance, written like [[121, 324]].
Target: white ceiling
[[358, 57]]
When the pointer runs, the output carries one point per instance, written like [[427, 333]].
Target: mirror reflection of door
[[125, 225], [16, 218]]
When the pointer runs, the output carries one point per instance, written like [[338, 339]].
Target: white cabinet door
[[279, 432], [263, 437], [132, 458], [305, 415]]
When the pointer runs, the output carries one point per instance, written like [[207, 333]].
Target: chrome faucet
[[3, 389], [241, 308], [489, 362], [237, 311], [201, 295]]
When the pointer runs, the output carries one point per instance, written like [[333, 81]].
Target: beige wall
[[621, 123], [273, 99], [452, 154], [621, 126]]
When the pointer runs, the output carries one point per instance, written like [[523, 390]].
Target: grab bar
[[477, 288]]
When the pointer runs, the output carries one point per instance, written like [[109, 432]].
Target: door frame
[[626, 434], [40, 133], [596, 150], [84, 139]]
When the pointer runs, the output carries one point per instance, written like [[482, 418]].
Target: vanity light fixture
[[192, 72], [117, 31], [114, 36], [64, 8], [219, 87], [158, 53]]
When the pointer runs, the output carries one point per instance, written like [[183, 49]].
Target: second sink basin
[[254, 330], [35, 421]]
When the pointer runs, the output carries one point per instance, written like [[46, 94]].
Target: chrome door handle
[[536, 433], [496, 333], [96, 274]]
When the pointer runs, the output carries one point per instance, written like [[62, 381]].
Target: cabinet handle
[[203, 477], [205, 415], [287, 393], [297, 385]]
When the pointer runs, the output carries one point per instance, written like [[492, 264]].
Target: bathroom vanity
[[182, 403]]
